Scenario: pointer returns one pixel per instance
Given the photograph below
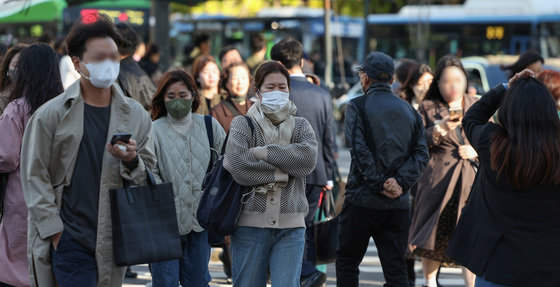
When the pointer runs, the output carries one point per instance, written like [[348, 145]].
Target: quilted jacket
[[183, 160]]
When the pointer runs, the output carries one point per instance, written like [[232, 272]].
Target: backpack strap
[[210, 133], [250, 122]]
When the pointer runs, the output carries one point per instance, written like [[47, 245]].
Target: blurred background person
[[402, 69], [60, 47], [38, 81], [140, 50], [200, 47], [207, 76], [229, 55], [150, 63], [68, 73], [8, 74], [507, 234], [258, 49], [531, 60], [414, 88], [273, 159], [47, 39], [134, 82], [551, 79], [234, 83], [183, 156], [471, 91], [443, 189]]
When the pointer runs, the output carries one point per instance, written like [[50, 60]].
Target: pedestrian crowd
[[437, 174]]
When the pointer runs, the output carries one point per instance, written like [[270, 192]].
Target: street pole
[[160, 34], [328, 44], [366, 40]]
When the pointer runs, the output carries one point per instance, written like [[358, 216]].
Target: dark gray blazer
[[315, 104]]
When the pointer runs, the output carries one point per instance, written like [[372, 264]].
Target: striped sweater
[[252, 163]]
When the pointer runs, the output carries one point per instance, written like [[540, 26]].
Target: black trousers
[[389, 229]]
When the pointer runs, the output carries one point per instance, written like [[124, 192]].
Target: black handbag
[[326, 230], [145, 228], [3, 187], [221, 202]]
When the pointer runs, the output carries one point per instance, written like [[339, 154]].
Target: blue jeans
[[191, 270], [481, 282], [255, 250], [73, 264]]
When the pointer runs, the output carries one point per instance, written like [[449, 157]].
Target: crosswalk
[[371, 273]]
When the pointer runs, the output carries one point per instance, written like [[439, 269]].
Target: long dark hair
[[37, 76], [434, 93], [5, 80], [527, 150], [169, 78], [524, 60], [406, 91]]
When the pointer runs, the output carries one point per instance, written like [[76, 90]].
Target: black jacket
[[508, 237], [386, 139], [135, 83], [315, 104]]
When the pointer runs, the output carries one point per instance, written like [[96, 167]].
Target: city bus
[[476, 28]]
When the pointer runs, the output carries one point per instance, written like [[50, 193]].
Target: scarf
[[277, 127]]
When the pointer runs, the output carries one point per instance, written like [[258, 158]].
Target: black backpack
[[220, 205]]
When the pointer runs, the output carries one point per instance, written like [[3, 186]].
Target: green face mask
[[179, 108]]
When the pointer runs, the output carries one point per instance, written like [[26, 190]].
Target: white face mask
[[275, 100], [102, 74]]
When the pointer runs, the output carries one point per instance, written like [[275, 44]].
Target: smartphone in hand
[[455, 114], [122, 137]]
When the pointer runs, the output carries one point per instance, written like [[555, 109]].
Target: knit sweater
[[252, 163]]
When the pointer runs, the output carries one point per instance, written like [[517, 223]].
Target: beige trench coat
[[48, 157]]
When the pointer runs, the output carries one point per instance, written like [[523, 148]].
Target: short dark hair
[[288, 52], [60, 44], [257, 43], [169, 78], [45, 38], [129, 39], [267, 68], [200, 38], [226, 50], [92, 26]]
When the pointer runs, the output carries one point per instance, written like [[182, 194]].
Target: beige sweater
[[284, 208]]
